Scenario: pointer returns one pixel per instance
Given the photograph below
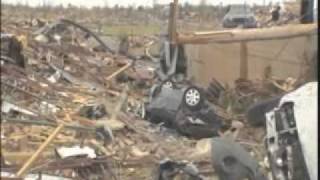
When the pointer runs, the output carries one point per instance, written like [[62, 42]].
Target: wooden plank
[[36, 155], [119, 71], [237, 35]]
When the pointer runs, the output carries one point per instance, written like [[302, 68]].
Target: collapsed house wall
[[283, 58]]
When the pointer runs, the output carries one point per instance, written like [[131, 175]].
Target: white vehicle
[[292, 135]]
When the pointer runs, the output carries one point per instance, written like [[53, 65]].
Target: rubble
[[115, 114], [53, 84], [172, 170]]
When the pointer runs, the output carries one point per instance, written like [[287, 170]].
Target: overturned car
[[177, 103], [183, 107]]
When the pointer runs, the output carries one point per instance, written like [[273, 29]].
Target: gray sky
[[91, 3]]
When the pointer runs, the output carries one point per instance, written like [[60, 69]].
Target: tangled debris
[[97, 98], [52, 89]]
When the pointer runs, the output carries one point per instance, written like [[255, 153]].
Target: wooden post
[[35, 156], [175, 16], [170, 22], [172, 27], [243, 60]]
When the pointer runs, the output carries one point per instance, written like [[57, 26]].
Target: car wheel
[[193, 98]]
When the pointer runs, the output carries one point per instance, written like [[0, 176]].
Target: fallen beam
[[36, 155], [238, 35]]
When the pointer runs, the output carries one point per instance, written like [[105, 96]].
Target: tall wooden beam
[[172, 27]]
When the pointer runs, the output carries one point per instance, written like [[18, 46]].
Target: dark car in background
[[239, 15]]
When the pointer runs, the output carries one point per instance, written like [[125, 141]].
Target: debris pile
[[76, 107], [57, 78], [286, 16]]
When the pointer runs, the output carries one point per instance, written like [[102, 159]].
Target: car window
[[240, 9]]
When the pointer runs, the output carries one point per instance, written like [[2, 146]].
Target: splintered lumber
[[237, 35], [37, 154], [119, 71]]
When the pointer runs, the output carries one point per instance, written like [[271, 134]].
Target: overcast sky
[[111, 3]]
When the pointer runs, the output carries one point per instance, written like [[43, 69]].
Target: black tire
[[256, 113], [193, 98], [232, 162]]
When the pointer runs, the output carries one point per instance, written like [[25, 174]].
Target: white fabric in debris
[[34, 176], [6, 107], [76, 151]]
